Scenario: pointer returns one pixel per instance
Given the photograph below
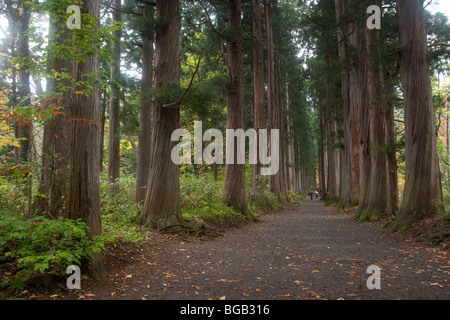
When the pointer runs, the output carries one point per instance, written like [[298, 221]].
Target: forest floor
[[310, 252]]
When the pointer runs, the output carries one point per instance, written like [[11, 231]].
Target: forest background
[[78, 110]]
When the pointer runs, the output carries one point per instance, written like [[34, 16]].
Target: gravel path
[[307, 253]]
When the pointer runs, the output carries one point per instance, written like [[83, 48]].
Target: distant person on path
[[312, 194]]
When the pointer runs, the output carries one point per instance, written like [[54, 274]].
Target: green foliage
[[37, 246], [169, 93], [203, 197], [120, 213], [197, 191]]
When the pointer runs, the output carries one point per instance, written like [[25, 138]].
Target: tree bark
[[162, 201], [25, 128], [280, 123], [114, 105], [358, 101], [351, 183], [145, 120], [377, 201], [422, 193], [332, 153], [83, 200], [259, 117], [322, 151], [391, 154], [235, 188], [274, 180], [56, 137]]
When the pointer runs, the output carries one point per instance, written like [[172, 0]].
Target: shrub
[[196, 191], [120, 213], [32, 247]]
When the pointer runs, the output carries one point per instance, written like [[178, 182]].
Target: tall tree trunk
[[24, 91], [377, 201], [235, 189], [332, 153], [322, 150], [391, 154], [114, 106], [351, 171], [422, 192], [162, 201], [83, 198], [259, 117], [19, 20], [274, 180], [280, 120], [358, 101], [145, 119], [56, 138], [290, 146], [103, 103], [24, 128]]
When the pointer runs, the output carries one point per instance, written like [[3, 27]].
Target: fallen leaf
[[229, 281], [222, 298]]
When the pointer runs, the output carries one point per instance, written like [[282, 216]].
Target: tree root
[[191, 228], [441, 235]]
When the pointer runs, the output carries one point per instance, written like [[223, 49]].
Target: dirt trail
[[307, 253]]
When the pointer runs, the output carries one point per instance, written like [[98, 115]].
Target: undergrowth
[[32, 251]]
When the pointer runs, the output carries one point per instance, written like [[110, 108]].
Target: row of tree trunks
[[369, 160], [18, 15], [288, 177], [423, 191]]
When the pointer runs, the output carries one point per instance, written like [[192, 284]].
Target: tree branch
[[122, 11], [211, 25], [178, 102]]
